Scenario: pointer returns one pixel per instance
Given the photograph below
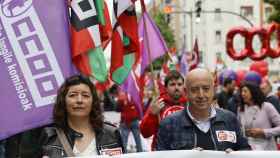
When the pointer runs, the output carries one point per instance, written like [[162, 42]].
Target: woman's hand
[[255, 133]]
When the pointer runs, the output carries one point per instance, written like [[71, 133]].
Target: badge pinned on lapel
[[226, 136]]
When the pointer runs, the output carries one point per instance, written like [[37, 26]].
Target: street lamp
[[204, 11], [231, 13], [168, 9], [198, 10]]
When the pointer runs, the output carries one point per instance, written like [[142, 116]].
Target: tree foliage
[[275, 15]]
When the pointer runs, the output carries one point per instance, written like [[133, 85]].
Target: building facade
[[217, 17]]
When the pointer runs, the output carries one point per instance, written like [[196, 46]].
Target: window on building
[[218, 16], [218, 36], [185, 21], [219, 57], [247, 11], [167, 1]]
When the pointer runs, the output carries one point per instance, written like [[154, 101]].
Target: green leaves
[[275, 15]]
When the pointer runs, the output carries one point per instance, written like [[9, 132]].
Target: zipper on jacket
[[213, 139], [55, 146], [101, 147], [195, 139], [58, 148], [106, 145]]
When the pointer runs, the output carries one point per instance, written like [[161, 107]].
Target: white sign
[[197, 154]]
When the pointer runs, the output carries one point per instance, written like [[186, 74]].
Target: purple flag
[[184, 67], [131, 87], [153, 36], [34, 61]]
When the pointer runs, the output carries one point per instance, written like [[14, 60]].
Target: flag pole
[[155, 85]]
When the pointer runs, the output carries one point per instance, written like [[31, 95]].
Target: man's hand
[[255, 133], [156, 105], [198, 149], [228, 150]]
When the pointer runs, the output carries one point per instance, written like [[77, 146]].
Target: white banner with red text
[[196, 154]]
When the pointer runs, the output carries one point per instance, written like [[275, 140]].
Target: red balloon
[[229, 43], [248, 34], [262, 54], [240, 76], [260, 67], [274, 27]]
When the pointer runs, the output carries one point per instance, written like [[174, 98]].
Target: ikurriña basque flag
[[125, 44], [34, 61], [90, 32]]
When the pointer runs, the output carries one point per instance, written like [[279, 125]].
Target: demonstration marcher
[[173, 97], [260, 120], [79, 129], [200, 125], [129, 120], [266, 88], [227, 93]]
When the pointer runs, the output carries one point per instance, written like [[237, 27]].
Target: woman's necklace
[[250, 115]]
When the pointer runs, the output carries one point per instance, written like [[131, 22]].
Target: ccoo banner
[[197, 154], [34, 61]]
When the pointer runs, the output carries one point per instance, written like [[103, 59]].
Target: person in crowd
[[24, 144], [129, 120], [2, 149], [79, 129], [173, 97], [110, 101], [260, 120], [226, 92], [269, 96], [278, 92], [200, 125]]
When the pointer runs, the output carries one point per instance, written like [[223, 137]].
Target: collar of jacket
[[187, 122], [72, 134]]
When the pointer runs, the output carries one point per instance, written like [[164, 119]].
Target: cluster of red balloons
[[265, 35], [257, 72]]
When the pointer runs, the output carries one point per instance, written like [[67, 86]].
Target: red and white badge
[[226, 136], [171, 110], [111, 152]]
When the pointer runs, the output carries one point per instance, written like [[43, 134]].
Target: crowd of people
[[188, 112]]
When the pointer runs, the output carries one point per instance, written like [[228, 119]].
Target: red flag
[[125, 45], [194, 56], [90, 30]]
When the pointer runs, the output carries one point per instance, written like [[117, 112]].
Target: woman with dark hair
[[79, 129], [260, 119]]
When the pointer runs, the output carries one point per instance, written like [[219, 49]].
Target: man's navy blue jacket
[[177, 132]]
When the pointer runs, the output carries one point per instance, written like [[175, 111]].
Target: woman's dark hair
[[60, 113], [257, 95]]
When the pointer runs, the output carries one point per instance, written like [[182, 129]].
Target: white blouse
[[89, 151]]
